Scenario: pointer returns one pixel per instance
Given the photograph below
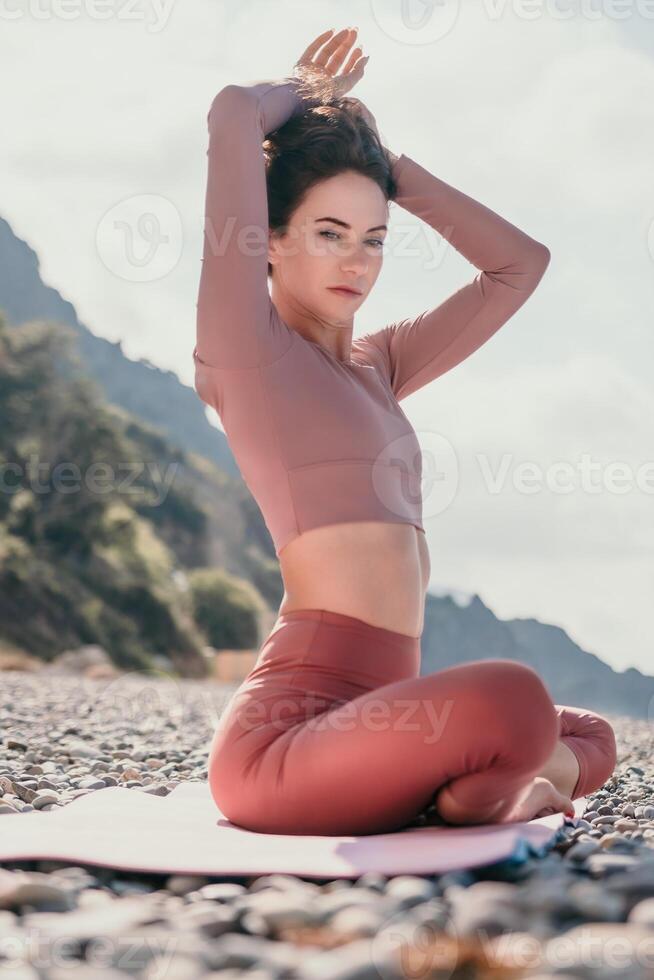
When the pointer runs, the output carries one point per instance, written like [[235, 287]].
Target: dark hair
[[328, 137]]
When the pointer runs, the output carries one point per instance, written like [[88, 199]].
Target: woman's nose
[[355, 261]]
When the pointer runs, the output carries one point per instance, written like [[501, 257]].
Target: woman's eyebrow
[[344, 224]]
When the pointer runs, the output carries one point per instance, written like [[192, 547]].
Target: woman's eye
[[379, 242]]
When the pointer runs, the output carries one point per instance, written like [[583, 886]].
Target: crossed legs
[[371, 763]]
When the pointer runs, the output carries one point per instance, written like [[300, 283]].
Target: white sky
[[545, 117]]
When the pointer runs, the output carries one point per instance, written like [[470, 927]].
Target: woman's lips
[[343, 292]]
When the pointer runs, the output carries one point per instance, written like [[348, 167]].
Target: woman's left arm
[[414, 351]]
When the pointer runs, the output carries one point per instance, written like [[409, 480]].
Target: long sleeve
[[413, 351], [236, 325]]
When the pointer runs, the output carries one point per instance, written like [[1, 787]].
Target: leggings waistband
[[353, 622], [334, 650]]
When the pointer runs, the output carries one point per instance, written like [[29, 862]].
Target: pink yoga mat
[[185, 833]]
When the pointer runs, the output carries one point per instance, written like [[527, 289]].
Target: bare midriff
[[373, 570]]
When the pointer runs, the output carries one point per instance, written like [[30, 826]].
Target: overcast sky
[[544, 112]]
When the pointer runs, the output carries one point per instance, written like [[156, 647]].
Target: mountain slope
[[143, 390], [457, 632]]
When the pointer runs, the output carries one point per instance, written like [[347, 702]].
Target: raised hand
[[325, 56]]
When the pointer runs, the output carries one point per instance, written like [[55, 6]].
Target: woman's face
[[335, 237]]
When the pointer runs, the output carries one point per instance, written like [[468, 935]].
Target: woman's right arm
[[235, 328]]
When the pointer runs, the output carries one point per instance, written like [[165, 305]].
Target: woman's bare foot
[[540, 799]]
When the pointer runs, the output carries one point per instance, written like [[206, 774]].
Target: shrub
[[226, 608]]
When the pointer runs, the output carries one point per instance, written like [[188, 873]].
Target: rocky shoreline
[[584, 910]]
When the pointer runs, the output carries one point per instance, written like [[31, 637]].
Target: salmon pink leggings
[[334, 732]]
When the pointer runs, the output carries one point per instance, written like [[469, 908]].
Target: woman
[[334, 731]]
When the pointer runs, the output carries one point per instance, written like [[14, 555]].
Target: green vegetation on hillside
[[89, 503]]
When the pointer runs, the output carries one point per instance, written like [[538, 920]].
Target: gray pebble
[[234, 950], [364, 920], [19, 889], [643, 913], [489, 905], [287, 909], [210, 918], [581, 850], [222, 891], [42, 799], [409, 890], [354, 961], [92, 782]]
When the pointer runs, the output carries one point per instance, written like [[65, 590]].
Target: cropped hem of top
[[355, 457]]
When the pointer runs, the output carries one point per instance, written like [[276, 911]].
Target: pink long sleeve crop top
[[319, 440]]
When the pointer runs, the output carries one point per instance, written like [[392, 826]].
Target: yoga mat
[[185, 833]]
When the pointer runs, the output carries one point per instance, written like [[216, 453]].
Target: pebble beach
[[583, 910]]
